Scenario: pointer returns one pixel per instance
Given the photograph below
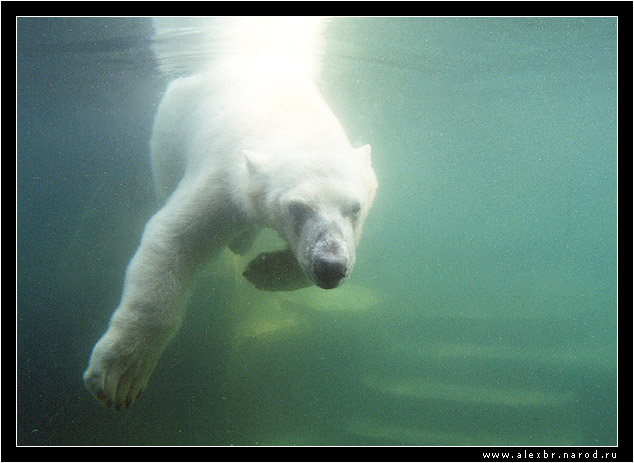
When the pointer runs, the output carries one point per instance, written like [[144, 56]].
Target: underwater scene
[[482, 309]]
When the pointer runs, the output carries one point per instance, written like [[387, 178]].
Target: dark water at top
[[483, 307]]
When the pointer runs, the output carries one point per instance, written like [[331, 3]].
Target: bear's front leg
[[149, 314]]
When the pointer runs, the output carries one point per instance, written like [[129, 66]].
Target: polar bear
[[247, 143]]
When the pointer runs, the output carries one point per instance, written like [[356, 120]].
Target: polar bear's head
[[318, 207]]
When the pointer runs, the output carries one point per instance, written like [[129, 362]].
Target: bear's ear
[[364, 153], [255, 160]]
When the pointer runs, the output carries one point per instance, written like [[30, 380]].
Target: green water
[[483, 305]]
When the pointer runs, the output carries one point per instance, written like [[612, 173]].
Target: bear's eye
[[352, 210], [299, 211]]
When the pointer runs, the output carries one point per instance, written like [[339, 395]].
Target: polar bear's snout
[[331, 258], [330, 271]]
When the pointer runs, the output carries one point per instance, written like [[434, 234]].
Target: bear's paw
[[120, 368]]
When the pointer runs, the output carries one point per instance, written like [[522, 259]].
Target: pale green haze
[[482, 309]]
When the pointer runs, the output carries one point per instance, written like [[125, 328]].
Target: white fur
[[247, 143]]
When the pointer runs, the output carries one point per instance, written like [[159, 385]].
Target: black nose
[[329, 271]]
